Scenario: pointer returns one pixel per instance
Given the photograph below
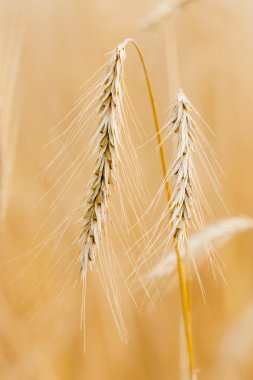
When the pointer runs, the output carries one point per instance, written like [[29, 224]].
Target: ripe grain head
[[110, 116]]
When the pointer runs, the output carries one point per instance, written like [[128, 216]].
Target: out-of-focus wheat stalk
[[163, 11], [162, 16], [216, 234], [236, 346], [10, 46], [237, 343]]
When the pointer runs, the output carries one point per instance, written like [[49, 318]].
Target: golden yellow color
[[63, 44]]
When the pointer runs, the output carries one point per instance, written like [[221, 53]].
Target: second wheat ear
[[185, 204], [181, 202]]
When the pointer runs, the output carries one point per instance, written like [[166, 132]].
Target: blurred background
[[48, 49]]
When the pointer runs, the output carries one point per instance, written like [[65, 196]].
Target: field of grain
[[48, 50]]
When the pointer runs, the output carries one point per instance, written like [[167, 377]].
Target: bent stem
[[156, 119], [184, 289]]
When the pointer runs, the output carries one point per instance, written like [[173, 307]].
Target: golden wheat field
[[71, 199]]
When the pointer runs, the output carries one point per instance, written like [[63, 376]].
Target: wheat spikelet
[[105, 170], [163, 11], [217, 234], [187, 199]]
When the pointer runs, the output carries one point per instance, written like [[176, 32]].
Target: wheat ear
[[110, 114], [108, 152], [105, 170], [182, 170]]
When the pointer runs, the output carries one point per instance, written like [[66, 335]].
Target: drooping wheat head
[[104, 99], [110, 116]]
